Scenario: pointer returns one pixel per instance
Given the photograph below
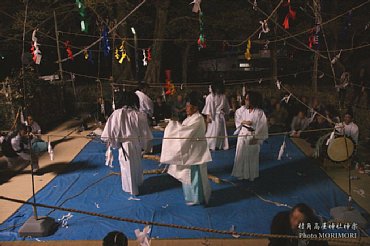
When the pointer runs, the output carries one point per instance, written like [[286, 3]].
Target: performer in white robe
[[188, 158], [249, 120], [127, 129], [217, 108], [146, 104]]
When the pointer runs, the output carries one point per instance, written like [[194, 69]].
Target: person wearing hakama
[[216, 108], [127, 129], [188, 155], [252, 130]]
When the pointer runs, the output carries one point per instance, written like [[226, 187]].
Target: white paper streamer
[[196, 7], [50, 151], [145, 61], [278, 84], [255, 6], [264, 28], [313, 116], [336, 58], [109, 157], [244, 91], [260, 81], [181, 86], [143, 236], [232, 229], [64, 220], [286, 98], [330, 138], [281, 151]]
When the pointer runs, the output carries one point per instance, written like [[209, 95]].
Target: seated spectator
[[290, 222], [16, 149], [299, 123], [115, 238], [278, 119], [38, 145], [349, 128], [319, 122], [160, 110], [315, 107], [178, 108]]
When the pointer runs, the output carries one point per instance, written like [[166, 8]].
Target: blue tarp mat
[[248, 206]]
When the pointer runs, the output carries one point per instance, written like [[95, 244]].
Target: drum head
[[337, 149]]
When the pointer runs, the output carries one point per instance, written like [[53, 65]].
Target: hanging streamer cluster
[[170, 87], [247, 54], [82, 12], [121, 54], [201, 40], [105, 41], [336, 58], [67, 45], [35, 49], [313, 39], [290, 15]]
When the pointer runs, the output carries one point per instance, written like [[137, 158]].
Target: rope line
[[153, 223]]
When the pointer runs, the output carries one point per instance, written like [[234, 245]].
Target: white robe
[[146, 104], [350, 130], [216, 108], [128, 128], [246, 163], [181, 154]]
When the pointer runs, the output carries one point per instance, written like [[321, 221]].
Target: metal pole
[[33, 179]]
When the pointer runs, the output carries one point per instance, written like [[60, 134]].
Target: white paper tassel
[[64, 220], [143, 236], [145, 62], [336, 58], [281, 151], [210, 89], [260, 81], [264, 28], [163, 94], [113, 104], [50, 151], [22, 118], [244, 91], [278, 84], [286, 98], [181, 86], [330, 138], [109, 157]]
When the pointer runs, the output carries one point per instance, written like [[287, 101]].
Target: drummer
[[348, 127]]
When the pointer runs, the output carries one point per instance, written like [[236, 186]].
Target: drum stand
[[348, 213], [37, 226]]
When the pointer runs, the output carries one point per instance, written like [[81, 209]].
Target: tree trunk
[[185, 57], [154, 66]]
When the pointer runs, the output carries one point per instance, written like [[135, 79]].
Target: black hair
[[195, 99], [115, 238], [308, 212], [255, 99], [349, 112], [218, 87], [142, 85], [130, 99]]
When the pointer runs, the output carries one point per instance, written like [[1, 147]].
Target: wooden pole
[[59, 61]]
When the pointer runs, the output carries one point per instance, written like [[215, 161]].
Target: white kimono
[[123, 124], [188, 157], [216, 108], [146, 104], [350, 130], [246, 164]]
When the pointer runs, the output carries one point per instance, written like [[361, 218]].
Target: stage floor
[[246, 206]]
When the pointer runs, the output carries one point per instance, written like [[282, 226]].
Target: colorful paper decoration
[[121, 54], [145, 61], [149, 56], [35, 49], [291, 15], [67, 45], [247, 53], [88, 56], [201, 40], [105, 41], [313, 39], [82, 12], [170, 87]]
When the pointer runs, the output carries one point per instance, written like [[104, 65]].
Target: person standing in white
[[188, 156], [252, 130], [216, 108], [146, 104], [127, 129], [349, 128]]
